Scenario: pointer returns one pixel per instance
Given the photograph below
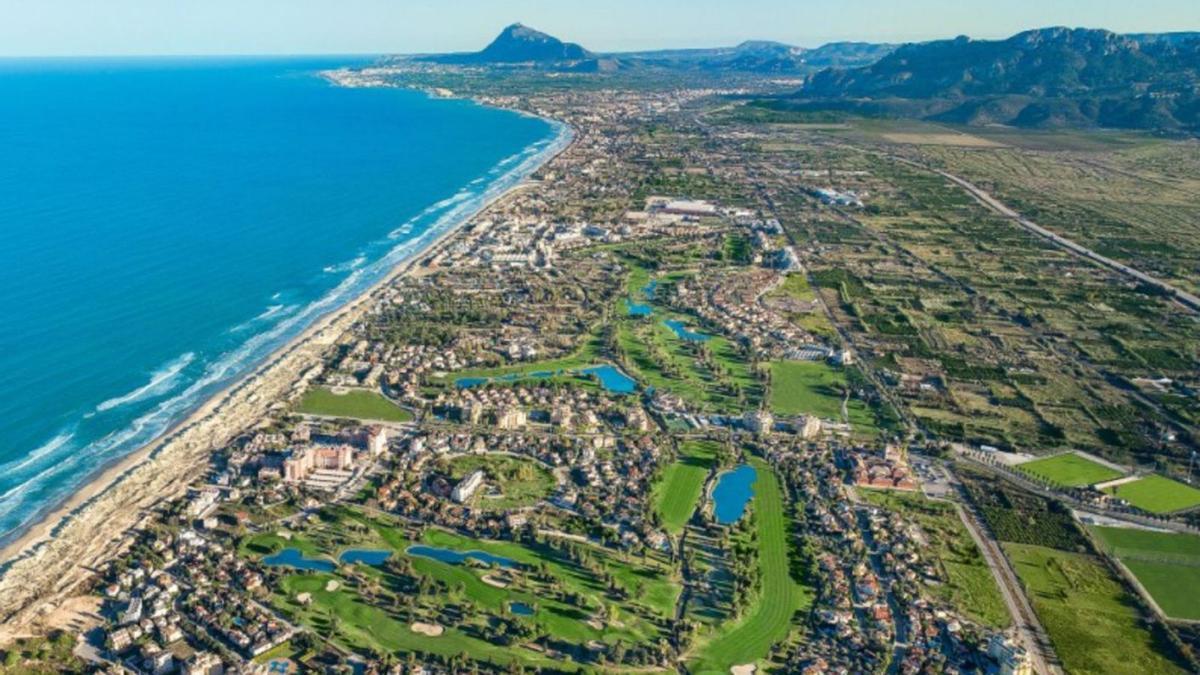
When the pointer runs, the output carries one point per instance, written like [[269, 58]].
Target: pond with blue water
[[682, 332], [364, 556], [459, 557], [733, 491], [611, 378], [520, 608], [290, 557]]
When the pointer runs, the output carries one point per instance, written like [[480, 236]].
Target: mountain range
[[521, 45], [1048, 77], [1039, 78]]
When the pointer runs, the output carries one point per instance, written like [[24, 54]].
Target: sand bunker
[[427, 629]]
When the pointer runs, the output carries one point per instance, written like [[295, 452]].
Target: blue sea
[[167, 223]]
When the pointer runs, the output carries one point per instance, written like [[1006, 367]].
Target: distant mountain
[[1046, 77], [520, 44], [760, 56]]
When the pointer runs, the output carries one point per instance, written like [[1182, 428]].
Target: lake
[[290, 557], [459, 557], [682, 332], [732, 492]]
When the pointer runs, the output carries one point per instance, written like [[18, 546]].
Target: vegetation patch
[[359, 404], [511, 482], [1167, 565], [1092, 620], [969, 584]]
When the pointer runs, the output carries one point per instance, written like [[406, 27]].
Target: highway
[[985, 198]]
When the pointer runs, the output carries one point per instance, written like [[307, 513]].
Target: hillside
[[520, 44], [1045, 77]]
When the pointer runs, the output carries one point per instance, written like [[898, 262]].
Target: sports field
[[354, 403], [807, 387], [1069, 470], [1092, 620], [1166, 564], [678, 491], [770, 619], [1158, 494]]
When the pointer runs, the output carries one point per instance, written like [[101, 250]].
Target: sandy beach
[[44, 568]]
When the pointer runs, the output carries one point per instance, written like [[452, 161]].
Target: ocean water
[[168, 223]]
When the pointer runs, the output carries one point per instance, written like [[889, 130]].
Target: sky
[[149, 27]]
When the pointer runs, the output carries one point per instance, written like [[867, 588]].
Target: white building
[[467, 486]]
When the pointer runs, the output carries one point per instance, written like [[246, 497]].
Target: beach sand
[[44, 569]]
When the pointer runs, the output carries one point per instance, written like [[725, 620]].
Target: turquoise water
[[611, 378], [364, 556], [290, 557], [459, 557], [169, 222], [732, 492], [682, 332], [521, 608]]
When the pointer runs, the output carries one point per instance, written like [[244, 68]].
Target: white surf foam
[[161, 381]]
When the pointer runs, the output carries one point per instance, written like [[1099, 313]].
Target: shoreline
[[60, 548]]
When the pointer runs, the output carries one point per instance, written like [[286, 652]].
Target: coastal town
[[648, 411]]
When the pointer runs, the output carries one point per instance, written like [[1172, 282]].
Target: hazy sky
[[85, 27]]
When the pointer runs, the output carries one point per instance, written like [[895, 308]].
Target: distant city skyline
[[202, 27]]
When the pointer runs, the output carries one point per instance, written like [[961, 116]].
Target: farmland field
[[356, 403], [1069, 470], [1157, 494], [769, 619], [1166, 564], [678, 491], [1092, 620]]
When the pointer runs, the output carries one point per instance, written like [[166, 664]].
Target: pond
[[364, 556], [733, 491], [682, 332], [459, 557], [638, 308], [520, 608], [612, 379], [291, 557]]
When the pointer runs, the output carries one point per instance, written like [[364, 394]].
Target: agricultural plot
[[1069, 470], [1092, 620], [678, 491], [1166, 564], [1158, 494], [769, 619], [969, 584], [358, 404]]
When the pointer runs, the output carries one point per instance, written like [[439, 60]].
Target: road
[[999, 207], [1030, 632]]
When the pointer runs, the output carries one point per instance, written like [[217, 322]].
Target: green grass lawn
[[807, 387], [355, 403], [522, 482], [1069, 470], [1092, 620], [780, 597], [969, 585], [1158, 494], [678, 491], [1167, 565]]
